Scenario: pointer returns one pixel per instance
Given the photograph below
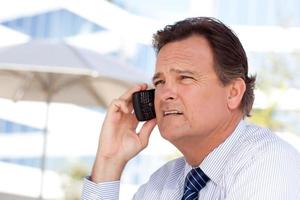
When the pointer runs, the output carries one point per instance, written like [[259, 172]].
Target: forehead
[[193, 53]]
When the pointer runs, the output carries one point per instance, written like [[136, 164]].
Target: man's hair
[[229, 55]]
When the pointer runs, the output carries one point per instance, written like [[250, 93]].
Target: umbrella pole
[[43, 157]]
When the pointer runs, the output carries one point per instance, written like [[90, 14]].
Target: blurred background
[[63, 61]]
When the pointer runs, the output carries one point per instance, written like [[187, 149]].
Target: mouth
[[172, 112]]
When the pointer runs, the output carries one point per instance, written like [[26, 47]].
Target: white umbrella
[[9, 36], [59, 72], [50, 71]]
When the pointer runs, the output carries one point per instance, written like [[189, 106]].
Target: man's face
[[190, 101]]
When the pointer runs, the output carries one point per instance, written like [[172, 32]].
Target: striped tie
[[194, 182]]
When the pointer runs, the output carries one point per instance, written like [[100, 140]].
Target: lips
[[172, 112]]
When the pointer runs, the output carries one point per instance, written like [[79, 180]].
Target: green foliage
[[265, 118], [78, 171], [277, 71]]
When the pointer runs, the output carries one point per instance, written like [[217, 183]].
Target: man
[[202, 94]]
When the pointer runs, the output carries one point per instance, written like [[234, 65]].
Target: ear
[[236, 90]]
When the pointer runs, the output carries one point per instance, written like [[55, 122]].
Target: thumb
[[145, 132]]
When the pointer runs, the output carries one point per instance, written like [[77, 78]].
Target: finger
[[118, 105], [130, 106], [127, 96], [146, 131], [134, 122]]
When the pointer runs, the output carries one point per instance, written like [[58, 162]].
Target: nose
[[167, 92]]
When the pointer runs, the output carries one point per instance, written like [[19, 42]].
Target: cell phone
[[143, 104]]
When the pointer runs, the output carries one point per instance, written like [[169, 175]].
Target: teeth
[[172, 112]]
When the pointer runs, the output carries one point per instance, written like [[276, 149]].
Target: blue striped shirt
[[252, 163]]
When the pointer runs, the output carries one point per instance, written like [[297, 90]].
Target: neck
[[195, 149]]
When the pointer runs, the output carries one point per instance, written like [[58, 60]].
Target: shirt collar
[[215, 161]]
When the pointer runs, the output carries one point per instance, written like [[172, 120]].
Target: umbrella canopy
[[51, 71], [10, 37]]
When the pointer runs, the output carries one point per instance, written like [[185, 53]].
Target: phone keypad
[[143, 104], [147, 110]]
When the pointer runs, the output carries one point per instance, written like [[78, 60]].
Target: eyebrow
[[156, 75], [178, 71]]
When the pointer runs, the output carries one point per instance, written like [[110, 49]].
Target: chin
[[171, 134]]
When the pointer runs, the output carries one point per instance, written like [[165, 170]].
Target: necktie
[[194, 182]]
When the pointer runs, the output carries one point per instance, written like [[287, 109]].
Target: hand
[[119, 141]]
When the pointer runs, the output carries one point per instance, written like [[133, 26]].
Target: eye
[[185, 77], [158, 82]]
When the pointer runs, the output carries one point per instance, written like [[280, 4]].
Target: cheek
[[156, 101], [205, 103]]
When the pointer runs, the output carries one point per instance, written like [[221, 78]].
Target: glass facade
[[56, 24], [10, 127], [256, 12]]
